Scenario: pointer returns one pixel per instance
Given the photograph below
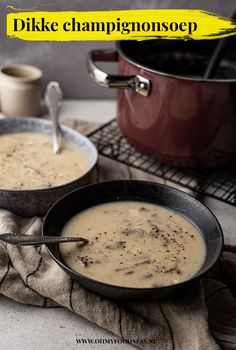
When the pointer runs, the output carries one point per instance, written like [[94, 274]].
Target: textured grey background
[[65, 62]]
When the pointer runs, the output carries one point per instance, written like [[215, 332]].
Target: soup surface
[[133, 244], [27, 162]]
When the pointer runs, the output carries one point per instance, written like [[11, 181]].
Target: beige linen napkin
[[202, 316]]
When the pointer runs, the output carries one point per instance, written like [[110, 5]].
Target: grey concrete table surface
[[33, 328]]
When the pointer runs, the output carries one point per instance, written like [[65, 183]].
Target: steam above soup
[[134, 244]]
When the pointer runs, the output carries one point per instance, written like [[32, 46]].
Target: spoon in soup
[[22, 240]]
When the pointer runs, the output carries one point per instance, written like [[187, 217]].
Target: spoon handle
[[53, 99], [21, 240], [218, 54]]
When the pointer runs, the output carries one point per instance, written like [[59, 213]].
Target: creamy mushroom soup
[[27, 162], [134, 244]]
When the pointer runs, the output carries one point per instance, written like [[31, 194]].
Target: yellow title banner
[[118, 25]]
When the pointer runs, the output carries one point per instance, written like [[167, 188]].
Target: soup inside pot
[[134, 244]]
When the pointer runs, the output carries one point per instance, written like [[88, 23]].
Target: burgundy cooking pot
[[165, 108]]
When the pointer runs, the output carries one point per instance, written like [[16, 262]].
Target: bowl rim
[[64, 128], [139, 289]]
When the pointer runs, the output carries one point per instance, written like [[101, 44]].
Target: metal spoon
[[20, 240], [218, 54], [53, 99]]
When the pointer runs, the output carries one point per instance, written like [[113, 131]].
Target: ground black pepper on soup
[[134, 244]]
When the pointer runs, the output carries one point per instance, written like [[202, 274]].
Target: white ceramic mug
[[20, 90]]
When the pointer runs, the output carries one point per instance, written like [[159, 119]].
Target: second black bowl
[[88, 196]]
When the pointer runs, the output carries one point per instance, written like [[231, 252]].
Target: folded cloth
[[202, 316]]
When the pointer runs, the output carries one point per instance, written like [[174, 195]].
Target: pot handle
[[134, 82]]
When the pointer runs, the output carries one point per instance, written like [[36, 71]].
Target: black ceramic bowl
[[151, 192]]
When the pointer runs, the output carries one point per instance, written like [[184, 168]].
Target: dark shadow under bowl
[[151, 192]]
